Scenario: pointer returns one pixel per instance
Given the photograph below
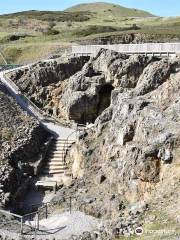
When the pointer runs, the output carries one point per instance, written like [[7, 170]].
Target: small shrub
[[13, 37], [94, 30], [51, 32], [52, 24], [69, 24]]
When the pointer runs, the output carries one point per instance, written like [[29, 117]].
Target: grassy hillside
[[108, 10], [33, 35]]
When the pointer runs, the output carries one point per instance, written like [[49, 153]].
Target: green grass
[[40, 33], [109, 10]]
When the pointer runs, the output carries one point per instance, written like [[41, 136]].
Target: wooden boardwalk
[[157, 49]]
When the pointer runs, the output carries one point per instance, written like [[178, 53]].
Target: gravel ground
[[64, 225]]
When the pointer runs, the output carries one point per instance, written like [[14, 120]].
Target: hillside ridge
[[109, 7]]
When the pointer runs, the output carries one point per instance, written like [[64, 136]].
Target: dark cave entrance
[[104, 98], [93, 107]]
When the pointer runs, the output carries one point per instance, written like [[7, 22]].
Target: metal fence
[[145, 48], [27, 103], [29, 224]]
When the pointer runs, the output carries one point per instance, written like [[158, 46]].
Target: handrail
[[67, 139], [42, 205], [12, 84], [39, 113], [142, 48], [9, 213], [45, 153], [66, 142]]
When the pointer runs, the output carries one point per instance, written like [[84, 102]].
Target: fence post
[[38, 220], [70, 207], [21, 225], [46, 210]]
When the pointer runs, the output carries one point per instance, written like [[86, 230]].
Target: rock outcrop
[[44, 82], [133, 148], [21, 141], [129, 159], [128, 38]]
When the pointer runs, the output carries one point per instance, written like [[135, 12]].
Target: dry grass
[[75, 26]]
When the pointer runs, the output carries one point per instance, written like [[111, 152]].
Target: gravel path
[[56, 129], [65, 225], [60, 131]]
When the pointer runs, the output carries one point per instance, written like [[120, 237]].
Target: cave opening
[[93, 107], [104, 98]]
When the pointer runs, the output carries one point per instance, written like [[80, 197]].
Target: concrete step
[[58, 151], [53, 172], [59, 148], [59, 158], [55, 164], [64, 140], [61, 161], [60, 155], [49, 168], [63, 143]]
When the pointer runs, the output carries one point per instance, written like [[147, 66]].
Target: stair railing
[[66, 144], [49, 142], [39, 114]]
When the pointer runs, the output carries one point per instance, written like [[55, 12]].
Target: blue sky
[[158, 7]]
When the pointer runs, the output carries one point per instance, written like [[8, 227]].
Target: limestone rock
[[136, 132], [21, 142]]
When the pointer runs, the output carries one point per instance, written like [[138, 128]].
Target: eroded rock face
[[133, 148], [88, 92], [135, 141], [44, 82], [21, 142]]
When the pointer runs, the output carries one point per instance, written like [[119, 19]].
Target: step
[[46, 183], [59, 158], [54, 172], [49, 168], [61, 161], [58, 155], [58, 152], [55, 164], [63, 142], [54, 148], [62, 145], [59, 146]]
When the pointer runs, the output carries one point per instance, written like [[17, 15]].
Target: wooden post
[[21, 226]]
